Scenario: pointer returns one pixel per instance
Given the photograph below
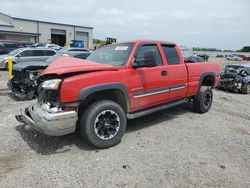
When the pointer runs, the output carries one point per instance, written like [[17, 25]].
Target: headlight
[[52, 84]]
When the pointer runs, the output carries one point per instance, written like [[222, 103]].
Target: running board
[[156, 109]]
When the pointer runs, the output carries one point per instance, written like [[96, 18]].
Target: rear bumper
[[53, 124]]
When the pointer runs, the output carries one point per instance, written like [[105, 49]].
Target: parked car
[[37, 45], [22, 55], [52, 46], [233, 58], [236, 78], [117, 82], [25, 81], [219, 56], [193, 59], [7, 46], [26, 43], [74, 49], [205, 57]]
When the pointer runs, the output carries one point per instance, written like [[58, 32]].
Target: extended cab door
[[177, 71], [147, 85]]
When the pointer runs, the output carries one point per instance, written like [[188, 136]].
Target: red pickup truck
[[117, 82]]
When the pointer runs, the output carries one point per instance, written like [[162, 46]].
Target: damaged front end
[[48, 116], [24, 84], [233, 78]]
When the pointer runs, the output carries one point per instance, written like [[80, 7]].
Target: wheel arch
[[112, 91], [207, 79]]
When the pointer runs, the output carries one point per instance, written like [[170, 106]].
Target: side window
[[49, 53], [26, 53], [171, 54], [37, 52], [148, 48]]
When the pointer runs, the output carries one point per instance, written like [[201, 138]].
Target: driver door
[[148, 84]]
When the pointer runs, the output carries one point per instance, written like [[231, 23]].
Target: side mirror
[[149, 60]]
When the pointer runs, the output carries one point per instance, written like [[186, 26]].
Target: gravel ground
[[171, 148]]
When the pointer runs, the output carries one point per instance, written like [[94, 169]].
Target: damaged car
[[236, 78], [26, 76]]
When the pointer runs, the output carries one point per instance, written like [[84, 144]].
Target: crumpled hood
[[34, 65], [64, 65]]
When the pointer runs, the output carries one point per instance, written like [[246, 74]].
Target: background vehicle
[[233, 58], [118, 82], [37, 45], [193, 59], [25, 81], [74, 49], [52, 46], [7, 46], [236, 78], [26, 43], [219, 56], [21, 55], [205, 57]]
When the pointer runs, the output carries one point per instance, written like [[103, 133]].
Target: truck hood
[[34, 65], [65, 65]]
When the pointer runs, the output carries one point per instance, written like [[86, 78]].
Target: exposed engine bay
[[234, 77]]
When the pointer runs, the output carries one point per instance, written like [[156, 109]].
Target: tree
[[245, 49]]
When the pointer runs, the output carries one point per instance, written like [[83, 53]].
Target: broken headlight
[[33, 75]]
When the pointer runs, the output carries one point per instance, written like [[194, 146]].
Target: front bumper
[[49, 123]]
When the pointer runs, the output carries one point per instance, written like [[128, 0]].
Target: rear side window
[[26, 53], [171, 54], [146, 48], [37, 53], [49, 53]]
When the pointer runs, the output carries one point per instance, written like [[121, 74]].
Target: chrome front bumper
[[49, 123]]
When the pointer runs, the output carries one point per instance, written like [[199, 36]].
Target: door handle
[[164, 73]]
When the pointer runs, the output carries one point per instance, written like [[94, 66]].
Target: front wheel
[[103, 124], [203, 100], [246, 88]]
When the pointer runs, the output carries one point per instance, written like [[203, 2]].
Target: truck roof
[[149, 41]]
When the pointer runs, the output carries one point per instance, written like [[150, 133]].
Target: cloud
[[209, 23]]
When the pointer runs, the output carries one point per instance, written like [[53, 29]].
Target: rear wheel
[[246, 88], [203, 100], [103, 124]]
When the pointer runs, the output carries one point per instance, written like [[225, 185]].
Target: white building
[[21, 29]]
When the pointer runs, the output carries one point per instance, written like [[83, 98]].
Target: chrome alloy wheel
[[107, 124]]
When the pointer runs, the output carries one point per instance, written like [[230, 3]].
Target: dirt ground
[[171, 148]]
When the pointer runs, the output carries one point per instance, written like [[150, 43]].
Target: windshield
[[52, 58], [116, 54], [15, 52]]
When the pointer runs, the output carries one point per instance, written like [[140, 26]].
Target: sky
[[222, 24]]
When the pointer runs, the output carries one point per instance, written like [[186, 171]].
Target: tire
[[203, 100], [245, 88], [99, 124]]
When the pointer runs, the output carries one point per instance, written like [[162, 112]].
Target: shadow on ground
[[47, 145]]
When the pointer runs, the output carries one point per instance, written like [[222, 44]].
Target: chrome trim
[[175, 88], [153, 93]]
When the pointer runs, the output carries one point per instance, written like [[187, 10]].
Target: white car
[[233, 58], [53, 46]]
